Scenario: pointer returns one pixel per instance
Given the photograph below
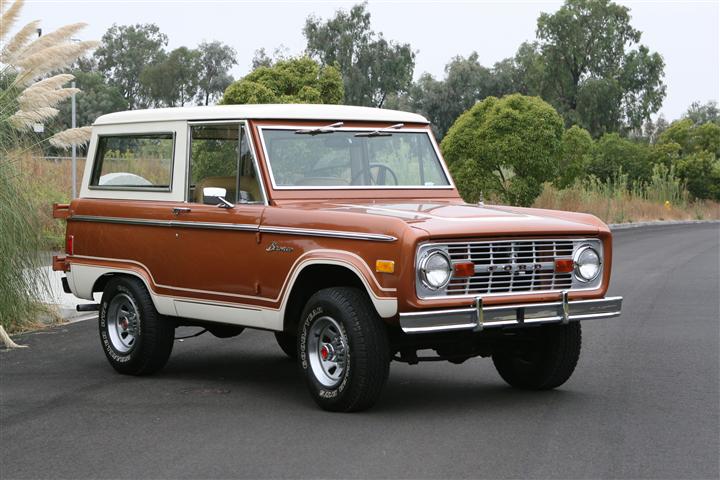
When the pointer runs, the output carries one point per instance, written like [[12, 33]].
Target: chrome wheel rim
[[327, 351], [122, 323]]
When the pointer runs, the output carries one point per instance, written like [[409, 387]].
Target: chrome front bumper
[[481, 317]]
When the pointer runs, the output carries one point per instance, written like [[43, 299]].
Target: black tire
[[149, 337], [287, 343], [361, 344], [544, 364]]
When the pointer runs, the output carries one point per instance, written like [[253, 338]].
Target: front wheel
[[136, 339], [544, 363], [343, 350]]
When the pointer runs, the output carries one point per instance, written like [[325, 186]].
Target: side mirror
[[216, 196]]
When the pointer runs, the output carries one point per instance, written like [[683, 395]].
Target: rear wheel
[[545, 363], [136, 339], [343, 350]]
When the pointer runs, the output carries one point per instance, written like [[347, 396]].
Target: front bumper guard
[[481, 317]]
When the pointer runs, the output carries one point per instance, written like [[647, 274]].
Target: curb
[[660, 223]]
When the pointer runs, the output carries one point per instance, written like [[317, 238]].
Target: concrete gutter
[[659, 223]]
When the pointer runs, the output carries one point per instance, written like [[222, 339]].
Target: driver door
[[216, 228]]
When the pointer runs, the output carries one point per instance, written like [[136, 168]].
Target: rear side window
[[134, 161]]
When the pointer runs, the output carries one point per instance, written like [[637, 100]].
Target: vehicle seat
[[248, 184]]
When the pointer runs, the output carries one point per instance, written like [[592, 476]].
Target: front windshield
[[343, 158]]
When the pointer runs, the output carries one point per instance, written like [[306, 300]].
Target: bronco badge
[[275, 247]]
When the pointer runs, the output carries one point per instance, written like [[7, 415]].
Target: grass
[[22, 241], [48, 182], [663, 198]]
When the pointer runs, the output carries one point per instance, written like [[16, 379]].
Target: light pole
[[74, 148]]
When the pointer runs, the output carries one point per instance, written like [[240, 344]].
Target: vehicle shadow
[[277, 377]]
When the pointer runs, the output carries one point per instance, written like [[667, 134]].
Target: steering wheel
[[380, 177]]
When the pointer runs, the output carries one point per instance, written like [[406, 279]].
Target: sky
[[685, 33]]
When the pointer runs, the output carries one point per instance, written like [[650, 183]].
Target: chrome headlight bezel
[[579, 252], [423, 271]]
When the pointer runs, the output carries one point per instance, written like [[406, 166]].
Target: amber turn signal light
[[385, 266], [564, 265], [465, 269]]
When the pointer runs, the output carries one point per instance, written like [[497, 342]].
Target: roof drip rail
[[320, 130], [381, 132]]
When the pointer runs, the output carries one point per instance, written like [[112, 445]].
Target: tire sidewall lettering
[[103, 321], [322, 392]]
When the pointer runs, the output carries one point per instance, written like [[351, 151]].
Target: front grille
[[510, 266]]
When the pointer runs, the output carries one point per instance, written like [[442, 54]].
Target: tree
[[697, 155], [693, 138], [215, 62], [506, 147], [701, 172], [703, 113], [174, 80], [94, 99], [524, 73], [371, 66], [126, 51], [614, 156], [442, 101], [575, 156], [298, 80], [598, 80]]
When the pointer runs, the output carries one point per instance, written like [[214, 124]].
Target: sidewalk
[[66, 303]]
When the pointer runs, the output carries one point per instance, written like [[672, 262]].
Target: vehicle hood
[[453, 219]]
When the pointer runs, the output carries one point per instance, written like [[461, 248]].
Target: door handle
[[178, 210]]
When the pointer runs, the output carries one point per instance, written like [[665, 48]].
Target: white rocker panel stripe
[[82, 278]]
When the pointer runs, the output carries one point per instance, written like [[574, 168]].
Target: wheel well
[[313, 279], [100, 283]]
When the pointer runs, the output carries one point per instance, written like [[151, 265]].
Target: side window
[[221, 165], [143, 161]]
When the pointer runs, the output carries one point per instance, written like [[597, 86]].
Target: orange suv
[[337, 228]]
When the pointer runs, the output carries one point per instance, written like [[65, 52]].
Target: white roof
[[262, 112]]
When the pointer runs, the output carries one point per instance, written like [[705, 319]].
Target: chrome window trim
[[579, 242], [436, 149], [169, 188], [235, 226], [247, 131]]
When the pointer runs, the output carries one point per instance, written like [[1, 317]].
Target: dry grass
[[50, 182], [623, 206]]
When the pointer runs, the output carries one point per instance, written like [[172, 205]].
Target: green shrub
[[506, 147], [701, 171], [297, 80]]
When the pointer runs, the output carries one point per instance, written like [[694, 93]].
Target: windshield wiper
[[319, 130], [381, 132]]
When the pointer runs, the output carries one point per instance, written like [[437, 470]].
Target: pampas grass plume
[[8, 19], [70, 137], [19, 42]]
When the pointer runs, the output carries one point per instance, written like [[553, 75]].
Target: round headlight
[[435, 269], [587, 264]]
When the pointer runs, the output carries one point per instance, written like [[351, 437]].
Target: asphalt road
[[643, 402]]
